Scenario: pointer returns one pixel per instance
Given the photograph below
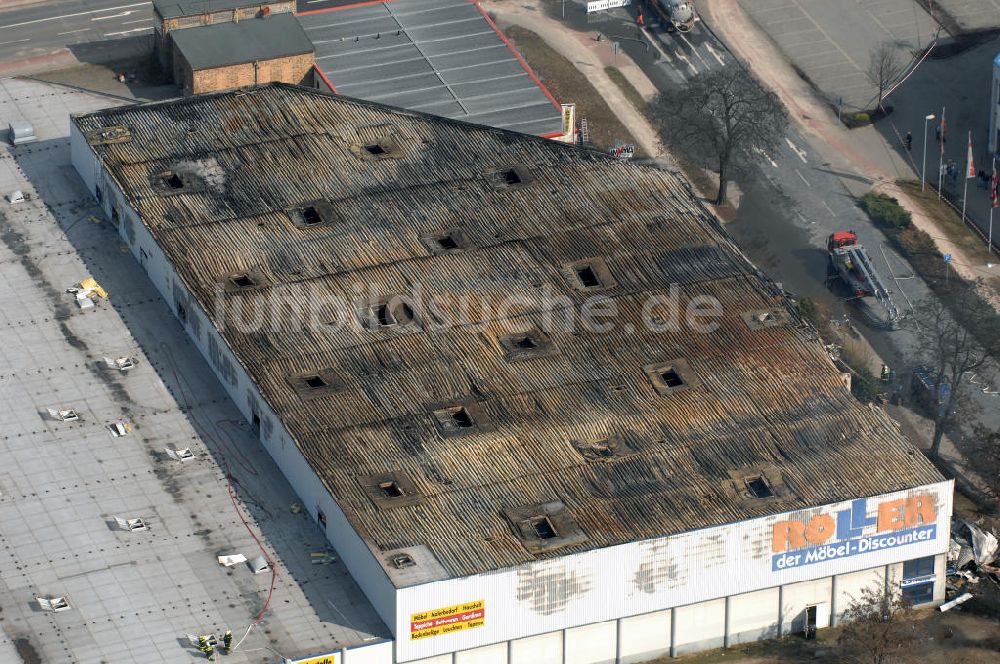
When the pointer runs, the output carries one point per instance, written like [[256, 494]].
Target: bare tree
[[878, 627], [725, 116], [884, 69], [955, 340]]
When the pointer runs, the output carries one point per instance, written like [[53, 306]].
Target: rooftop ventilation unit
[[20, 132]]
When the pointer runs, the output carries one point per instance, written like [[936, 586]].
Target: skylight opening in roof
[[315, 382], [310, 216], [243, 281], [525, 343], [758, 487], [671, 378], [447, 243], [542, 527], [462, 419], [384, 315], [588, 277], [391, 490]]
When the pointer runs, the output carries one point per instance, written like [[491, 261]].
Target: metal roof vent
[[402, 561], [20, 132]]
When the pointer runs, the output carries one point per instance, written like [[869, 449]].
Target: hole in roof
[[390, 490], [525, 343], [462, 419], [542, 527], [310, 216], [173, 181], [758, 487], [242, 281], [314, 382], [587, 276], [403, 313], [375, 149], [511, 177], [384, 315], [602, 448], [671, 378], [447, 243]]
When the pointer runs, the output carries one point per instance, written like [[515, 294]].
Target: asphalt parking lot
[[831, 42]]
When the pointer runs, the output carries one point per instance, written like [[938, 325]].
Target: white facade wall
[[848, 588], [592, 644], [699, 626], [645, 637], [494, 654], [753, 616], [541, 649], [795, 598], [536, 613]]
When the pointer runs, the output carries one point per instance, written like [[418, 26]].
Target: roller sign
[[815, 538], [447, 619]]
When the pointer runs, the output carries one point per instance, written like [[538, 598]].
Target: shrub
[[885, 210]]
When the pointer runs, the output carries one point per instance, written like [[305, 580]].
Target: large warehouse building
[[405, 307]]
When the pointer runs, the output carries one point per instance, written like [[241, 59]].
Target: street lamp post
[[923, 167]]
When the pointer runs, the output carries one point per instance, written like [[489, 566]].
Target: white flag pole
[[941, 135]]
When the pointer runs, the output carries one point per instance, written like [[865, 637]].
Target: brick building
[[237, 54], [170, 15]]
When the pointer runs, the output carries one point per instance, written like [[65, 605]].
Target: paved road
[[40, 29]]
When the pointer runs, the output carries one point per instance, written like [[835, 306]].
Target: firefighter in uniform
[[206, 647], [227, 641]]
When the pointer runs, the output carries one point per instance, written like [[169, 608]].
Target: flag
[[970, 165], [993, 184]]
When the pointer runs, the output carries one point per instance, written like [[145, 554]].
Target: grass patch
[[631, 94], [565, 81]]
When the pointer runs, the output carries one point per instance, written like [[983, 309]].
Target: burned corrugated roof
[[473, 401]]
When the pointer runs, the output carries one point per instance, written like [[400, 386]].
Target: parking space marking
[[797, 150], [715, 54]]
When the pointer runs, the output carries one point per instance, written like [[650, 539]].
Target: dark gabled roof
[[586, 429], [176, 8], [252, 40]]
